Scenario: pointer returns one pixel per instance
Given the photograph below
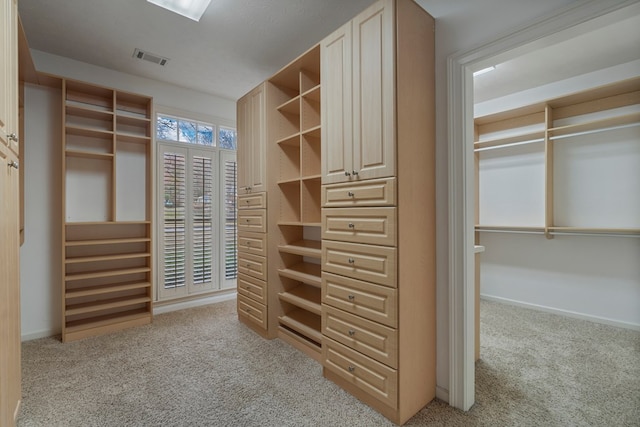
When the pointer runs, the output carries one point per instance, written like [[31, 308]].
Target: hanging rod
[[589, 132], [512, 144], [565, 233], [510, 231]]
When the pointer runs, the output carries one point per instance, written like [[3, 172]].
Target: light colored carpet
[[200, 367]]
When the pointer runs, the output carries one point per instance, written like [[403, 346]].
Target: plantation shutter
[[230, 220], [174, 220], [202, 223]]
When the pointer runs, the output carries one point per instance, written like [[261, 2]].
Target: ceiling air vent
[[151, 57]]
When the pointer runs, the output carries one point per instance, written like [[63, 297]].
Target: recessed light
[[484, 70], [192, 9]]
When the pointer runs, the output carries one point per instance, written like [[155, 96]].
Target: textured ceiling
[[239, 43]]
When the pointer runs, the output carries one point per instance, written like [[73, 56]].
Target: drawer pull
[[351, 261], [249, 266], [351, 297], [248, 243], [248, 310], [247, 287], [247, 220], [350, 194], [247, 201], [354, 173], [351, 368], [352, 225], [346, 173], [352, 332]]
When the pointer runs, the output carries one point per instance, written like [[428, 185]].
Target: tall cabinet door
[[252, 175], [373, 92], [9, 218], [337, 136]]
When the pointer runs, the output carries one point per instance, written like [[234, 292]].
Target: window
[[197, 207]]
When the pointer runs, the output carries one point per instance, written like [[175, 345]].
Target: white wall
[[40, 256]]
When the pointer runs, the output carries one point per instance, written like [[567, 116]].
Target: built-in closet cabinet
[[107, 227], [251, 118], [358, 112], [378, 208]]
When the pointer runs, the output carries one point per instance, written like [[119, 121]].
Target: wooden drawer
[[374, 378], [252, 265], [372, 192], [373, 302], [252, 220], [252, 201], [375, 264], [252, 288], [253, 311], [252, 243], [370, 338], [376, 226]]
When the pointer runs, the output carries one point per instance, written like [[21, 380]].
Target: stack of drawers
[[252, 260], [359, 286]]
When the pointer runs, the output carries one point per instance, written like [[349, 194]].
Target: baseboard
[[442, 394], [40, 334], [181, 305], [567, 313]]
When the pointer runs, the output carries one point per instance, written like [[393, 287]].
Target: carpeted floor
[[200, 367]]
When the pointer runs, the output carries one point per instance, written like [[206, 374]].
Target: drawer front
[[370, 338], [373, 302], [374, 378], [376, 226], [252, 288], [372, 192], [252, 201], [252, 243], [375, 264], [252, 265], [252, 220], [253, 311]]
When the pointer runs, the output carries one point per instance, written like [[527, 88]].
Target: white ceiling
[[239, 43]]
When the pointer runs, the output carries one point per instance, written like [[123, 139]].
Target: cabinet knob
[[352, 225], [354, 173], [346, 173], [351, 368], [350, 194], [12, 137], [351, 260], [248, 243], [351, 297], [13, 164], [248, 310], [247, 220], [352, 332]]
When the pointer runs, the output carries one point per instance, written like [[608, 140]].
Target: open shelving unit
[[294, 215], [571, 161], [107, 228]]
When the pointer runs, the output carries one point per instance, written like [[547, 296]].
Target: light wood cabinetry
[[294, 137], [578, 159], [252, 168], [252, 210], [378, 213], [107, 229], [10, 375]]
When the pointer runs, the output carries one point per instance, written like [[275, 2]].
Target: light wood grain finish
[[252, 311], [252, 243], [370, 338], [375, 226], [373, 302], [252, 220], [252, 168], [375, 264], [375, 192], [253, 288], [253, 265], [374, 378], [252, 201]]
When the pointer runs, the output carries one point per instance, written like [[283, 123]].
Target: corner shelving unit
[[106, 187], [294, 216], [588, 153]]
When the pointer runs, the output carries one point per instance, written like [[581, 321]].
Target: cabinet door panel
[[258, 181], [244, 145], [373, 92], [336, 119]]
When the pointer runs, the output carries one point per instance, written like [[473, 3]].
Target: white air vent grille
[[151, 57]]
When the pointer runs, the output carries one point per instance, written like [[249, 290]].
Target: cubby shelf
[[105, 289], [101, 305], [74, 327], [304, 272], [89, 155], [304, 297], [107, 273], [84, 259], [310, 248], [303, 322]]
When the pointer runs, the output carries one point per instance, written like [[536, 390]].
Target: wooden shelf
[[300, 342], [88, 111], [105, 289], [602, 125], [129, 137], [588, 230], [84, 259], [110, 319], [89, 155], [106, 223], [304, 272], [303, 322], [313, 94], [525, 228], [88, 132], [293, 139], [106, 241], [315, 131], [531, 137], [310, 248], [291, 106], [303, 296], [107, 273], [94, 306]]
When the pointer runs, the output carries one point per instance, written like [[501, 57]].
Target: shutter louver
[[202, 188], [230, 221], [174, 220]]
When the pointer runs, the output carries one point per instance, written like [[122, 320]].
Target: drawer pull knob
[[351, 368], [351, 260], [354, 173], [248, 310], [247, 287], [351, 297], [248, 243], [352, 225], [350, 193], [351, 332], [346, 173]]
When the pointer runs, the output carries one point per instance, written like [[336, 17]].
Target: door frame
[[461, 179]]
